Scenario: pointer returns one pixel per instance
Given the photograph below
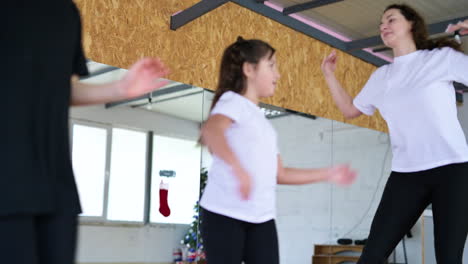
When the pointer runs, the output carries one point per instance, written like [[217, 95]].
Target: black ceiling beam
[[432, 29], [385, 48], [169, 90], [165, 100], [308, 5], [460, 87], [459, 97], [99, 72], [199, 9], [307, 30], [381, 49], [440, 27], [364, 43]]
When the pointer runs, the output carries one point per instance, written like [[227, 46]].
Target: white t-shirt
[[416, 97], [254, 142]]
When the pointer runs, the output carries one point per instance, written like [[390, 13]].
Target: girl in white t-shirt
[[415, 95], [239, 199]]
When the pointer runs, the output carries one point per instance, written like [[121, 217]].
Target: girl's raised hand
[[329, 63]]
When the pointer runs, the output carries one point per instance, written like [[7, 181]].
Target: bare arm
[[339, 174], [88, 94], [141, 78], [300, 176], [213, 136], [342, 99]]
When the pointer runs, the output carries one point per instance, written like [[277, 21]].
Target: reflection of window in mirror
[[119, 148], [126, 155], [127, 175], [89, 144], [182, 157]]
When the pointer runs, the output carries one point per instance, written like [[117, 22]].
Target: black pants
[[45, 239], [231, 241], [405, 197]]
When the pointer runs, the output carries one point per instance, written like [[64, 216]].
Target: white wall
[[321, 213], [428, 221], [149, 244], [307, 215], [429, 251]]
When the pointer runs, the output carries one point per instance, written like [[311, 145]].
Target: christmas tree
[[192, 239]]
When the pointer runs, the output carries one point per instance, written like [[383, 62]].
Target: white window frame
[[102, 220]]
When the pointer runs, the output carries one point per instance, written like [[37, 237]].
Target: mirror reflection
[[139, 170], [137, 167]]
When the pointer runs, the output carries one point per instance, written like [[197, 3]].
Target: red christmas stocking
[[163, 206]]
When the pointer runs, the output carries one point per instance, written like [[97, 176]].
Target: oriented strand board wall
[[117, 32]]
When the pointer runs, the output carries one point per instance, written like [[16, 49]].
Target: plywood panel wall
[[118, 32]]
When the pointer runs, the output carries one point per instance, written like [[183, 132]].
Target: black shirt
[[42, 45]]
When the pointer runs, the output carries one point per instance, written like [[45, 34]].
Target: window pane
[[183, 157], [89, 165], [127, 175]]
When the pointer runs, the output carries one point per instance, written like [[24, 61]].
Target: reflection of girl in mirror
[[39, 203], [239, 200], [416, 97]]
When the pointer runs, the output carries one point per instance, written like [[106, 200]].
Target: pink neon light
[[324, 29]]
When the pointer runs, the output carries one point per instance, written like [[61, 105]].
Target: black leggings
[[45, 239], [231, 241], [405, 197]]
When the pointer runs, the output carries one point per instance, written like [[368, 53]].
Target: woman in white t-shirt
[[238, 204], [415, 95]]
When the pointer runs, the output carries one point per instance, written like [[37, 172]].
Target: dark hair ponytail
[[231, 75], [419, 30]]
